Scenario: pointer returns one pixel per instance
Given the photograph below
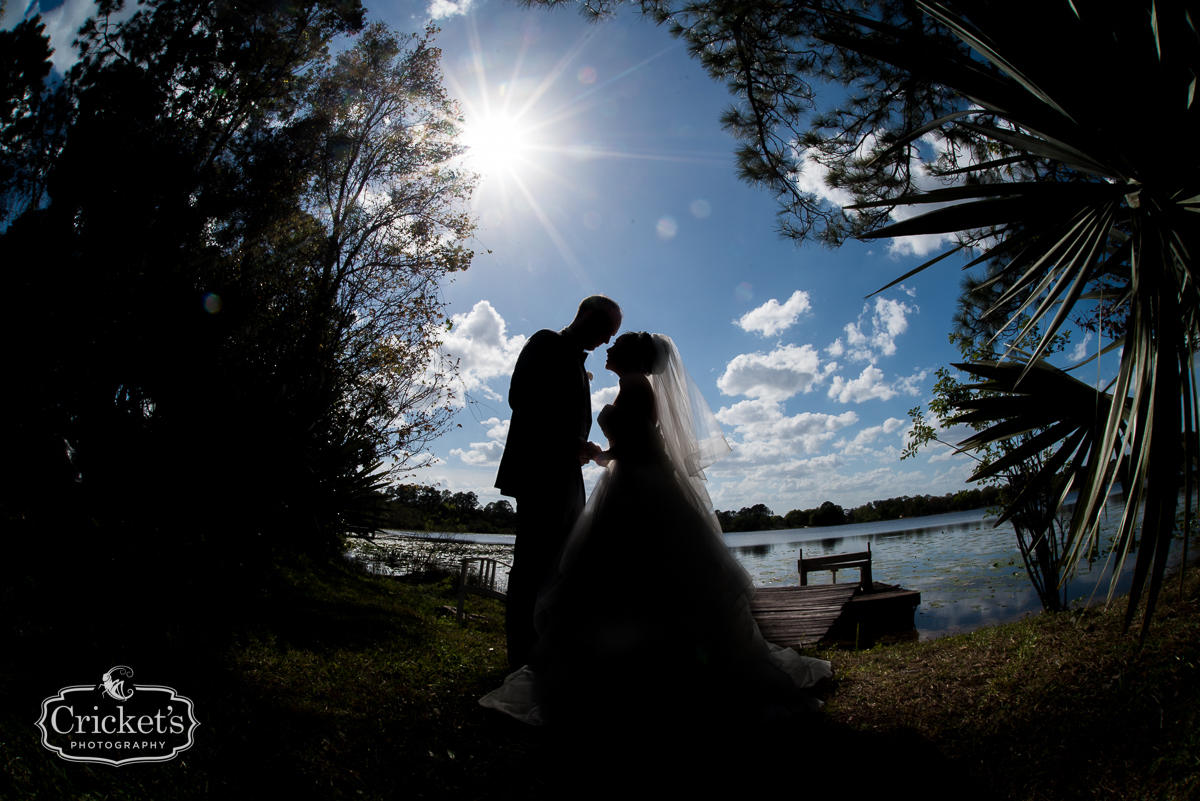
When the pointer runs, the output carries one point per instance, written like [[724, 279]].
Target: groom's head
[[597, 321]]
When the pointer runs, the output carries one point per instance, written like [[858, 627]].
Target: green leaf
[[960, 217], [1045, 147], [982, 45], [984, 165], [1154, 27]]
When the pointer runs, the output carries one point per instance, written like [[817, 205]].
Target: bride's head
[[637, 352]]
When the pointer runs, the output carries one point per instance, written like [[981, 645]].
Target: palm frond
[[1112, 211]]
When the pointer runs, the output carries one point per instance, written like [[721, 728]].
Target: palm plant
[[1059, 188]]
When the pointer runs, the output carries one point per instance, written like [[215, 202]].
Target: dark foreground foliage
[[323, 683]]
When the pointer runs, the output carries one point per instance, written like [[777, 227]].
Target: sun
[[497, 145]]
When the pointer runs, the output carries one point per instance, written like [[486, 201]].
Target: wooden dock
[[801, 617]]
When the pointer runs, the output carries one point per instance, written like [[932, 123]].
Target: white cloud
[[805, 471], [480, 454], [440, 9], [811, 482], [768, 436], [497, 428], [486, 454], [477, 340], [875, 333], [771, 318], [948, 454], [811, 178], [921, 244], [63, 24], [858, 446], [777, 375], [591, 474], [602, 396], [12, 14], [910, 385], [1080, 350], [868, 385]]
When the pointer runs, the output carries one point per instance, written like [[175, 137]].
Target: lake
[[969, 573]]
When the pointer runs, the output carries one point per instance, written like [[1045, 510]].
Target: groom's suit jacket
[[551, 410]]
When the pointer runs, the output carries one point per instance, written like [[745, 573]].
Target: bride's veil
[[690, 430]]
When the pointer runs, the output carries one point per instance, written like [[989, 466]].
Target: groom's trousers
[[544, 519]]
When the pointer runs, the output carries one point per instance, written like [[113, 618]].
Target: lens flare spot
[[212, 303], [592, 220], [700, 208], [666, 228], [587, 75], [744, 292]]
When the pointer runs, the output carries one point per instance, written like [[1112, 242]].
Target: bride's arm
[[634, 398]]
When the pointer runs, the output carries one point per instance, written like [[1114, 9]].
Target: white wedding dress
[[649, 615]]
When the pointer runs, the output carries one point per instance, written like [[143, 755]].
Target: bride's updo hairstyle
[[648, 353]]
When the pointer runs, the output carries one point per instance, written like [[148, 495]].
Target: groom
[[546, 448]]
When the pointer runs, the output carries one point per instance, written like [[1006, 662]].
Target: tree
[[1040, 171], [213, 293], [829, 514], [1040, 527], [393, 207], [796, 519], [31, 116]]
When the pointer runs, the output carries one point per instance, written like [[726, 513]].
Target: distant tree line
[[418, 507], [760, 518]]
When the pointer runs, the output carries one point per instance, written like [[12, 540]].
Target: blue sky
[[618, 179]]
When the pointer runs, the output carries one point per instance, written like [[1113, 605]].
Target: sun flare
[[497, 145]]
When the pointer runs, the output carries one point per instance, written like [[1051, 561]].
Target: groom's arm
[[543, 392]]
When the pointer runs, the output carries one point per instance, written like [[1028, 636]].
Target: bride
[[649, 614]]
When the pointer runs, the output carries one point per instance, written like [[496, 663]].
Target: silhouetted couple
[[630, 607]]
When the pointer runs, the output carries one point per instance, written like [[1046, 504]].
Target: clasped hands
[[591, 452]]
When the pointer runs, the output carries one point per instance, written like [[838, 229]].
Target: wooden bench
[[362, 532], [836, 562], [484, 581]]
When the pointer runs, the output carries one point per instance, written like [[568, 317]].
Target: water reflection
[[969, 573]]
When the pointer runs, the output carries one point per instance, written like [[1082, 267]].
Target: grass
[[1051, 707], [328, 683]]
